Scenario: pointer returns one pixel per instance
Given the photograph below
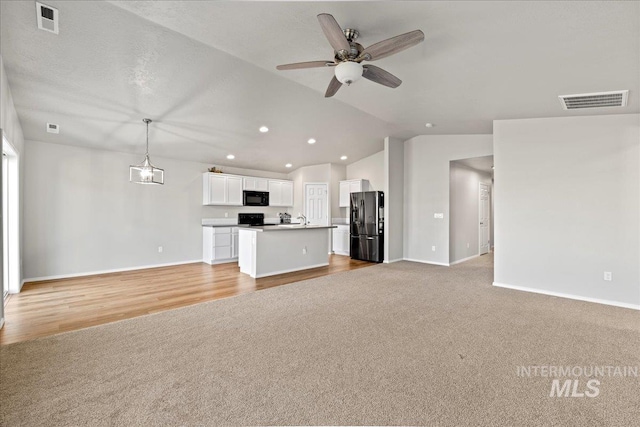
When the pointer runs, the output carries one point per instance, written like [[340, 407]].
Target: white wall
[[12, 130], [426, 190], [464, 206], [83, 215], [338, 173], [394, 199], [567, 206], [371, 168], [315, 173]]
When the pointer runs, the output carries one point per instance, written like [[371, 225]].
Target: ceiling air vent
[[47, 18], [53, 128], [616, 98]]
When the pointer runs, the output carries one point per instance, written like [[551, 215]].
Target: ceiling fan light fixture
[[348, 72]]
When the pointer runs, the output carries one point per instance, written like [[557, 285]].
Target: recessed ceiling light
[[343, 158], [231, 156], [429, 125], [311, 141], [288, 165], [264, 129]]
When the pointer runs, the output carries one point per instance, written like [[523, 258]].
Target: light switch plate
[[438, 215]]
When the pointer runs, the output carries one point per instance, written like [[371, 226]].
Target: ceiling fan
[[348, 55]]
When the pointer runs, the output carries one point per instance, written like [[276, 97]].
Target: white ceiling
[[205, 72]]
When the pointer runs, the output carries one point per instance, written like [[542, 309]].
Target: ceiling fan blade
[[333, 32], [392, 46], [334, 85], [378, 75], [310, 64]]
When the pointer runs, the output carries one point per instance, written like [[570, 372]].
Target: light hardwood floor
[[53, 306]]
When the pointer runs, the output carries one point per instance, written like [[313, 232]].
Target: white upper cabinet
[[287, 193], [221, 189], [280, 193], [234, 190], [255, 184], [226, 190], [351, 186]]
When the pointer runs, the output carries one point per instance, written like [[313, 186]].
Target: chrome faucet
[[304, 219]]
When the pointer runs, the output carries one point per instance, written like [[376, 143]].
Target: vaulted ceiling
[[205, 73]]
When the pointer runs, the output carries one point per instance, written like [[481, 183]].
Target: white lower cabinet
[[341, 240], [219, 244]]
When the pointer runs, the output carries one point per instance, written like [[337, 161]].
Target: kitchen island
[[275, 249]]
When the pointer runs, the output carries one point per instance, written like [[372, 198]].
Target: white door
[[485, 217], [316, 204]]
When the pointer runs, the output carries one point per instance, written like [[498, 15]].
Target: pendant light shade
[[145, 172]]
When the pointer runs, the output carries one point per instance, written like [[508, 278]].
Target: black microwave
[[255, 198]]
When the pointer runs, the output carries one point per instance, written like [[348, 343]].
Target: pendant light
[[146, 173]]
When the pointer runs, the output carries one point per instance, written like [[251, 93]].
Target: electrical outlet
[[160, 249], [304, 250], [226, 214], [433, 248], [607, 276], [467, 245]]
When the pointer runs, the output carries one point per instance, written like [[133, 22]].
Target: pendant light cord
[[147, 121]]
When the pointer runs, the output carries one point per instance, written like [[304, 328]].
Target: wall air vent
[[53, 128], [616, 98], [47, 18]]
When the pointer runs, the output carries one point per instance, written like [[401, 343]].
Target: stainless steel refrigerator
[[367, 226]]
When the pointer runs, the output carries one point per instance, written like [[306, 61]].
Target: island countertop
[[283, 227]]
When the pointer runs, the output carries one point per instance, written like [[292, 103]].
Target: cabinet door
[[262, 184], [234, 190], [345, 242], [275, 193], [344, 194], [249, 183], [335, 241], [234, 245], [355, 186], [217, 189], [287, 194]]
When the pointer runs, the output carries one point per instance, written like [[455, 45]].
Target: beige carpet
[[399, 344]]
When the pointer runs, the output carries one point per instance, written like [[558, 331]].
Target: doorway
[[316, 203], [10, 220], [484, 215]]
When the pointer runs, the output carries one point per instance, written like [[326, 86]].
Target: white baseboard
[[569, 296], [465, 259], [220, 261], [428, 262], [115, 270], [393, 260], [291, 270]]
